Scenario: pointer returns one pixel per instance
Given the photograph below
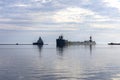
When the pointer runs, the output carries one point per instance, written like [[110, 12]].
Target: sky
[[25, 20]]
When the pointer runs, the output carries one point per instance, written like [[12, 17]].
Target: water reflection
[[60, 50], [90, 47], [73, 63], [40, 47]]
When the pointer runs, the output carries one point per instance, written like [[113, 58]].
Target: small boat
[[113, 43], [39, 42]]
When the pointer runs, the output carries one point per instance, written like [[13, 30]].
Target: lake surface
[[28, 62]]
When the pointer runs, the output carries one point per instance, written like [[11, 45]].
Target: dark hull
[[37, 43], [60, 42], [113, 43]]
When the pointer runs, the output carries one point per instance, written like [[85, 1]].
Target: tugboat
[[39, 42], [60, 42]]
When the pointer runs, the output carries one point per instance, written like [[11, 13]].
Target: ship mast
[[90, 38]]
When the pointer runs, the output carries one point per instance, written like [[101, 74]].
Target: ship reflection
[[40, 49], [60, 50], [90, 46]]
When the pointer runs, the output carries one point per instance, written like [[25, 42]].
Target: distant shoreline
[[19, 44], [16, 44]]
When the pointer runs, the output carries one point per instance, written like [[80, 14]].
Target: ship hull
[[60, 42], [37, 43], [113, 43], [82, 43]]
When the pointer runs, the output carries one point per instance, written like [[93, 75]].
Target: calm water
[[100, 62]]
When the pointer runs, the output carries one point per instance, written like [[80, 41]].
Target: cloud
[[38, 28], [74, 16], [77, 15], [34, 13], [13, 27], [40, 17], [20, 5], [113, 3], [43, 1], [106, 25], [4, 19]]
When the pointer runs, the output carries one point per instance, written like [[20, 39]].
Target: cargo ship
[[62, 42]]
